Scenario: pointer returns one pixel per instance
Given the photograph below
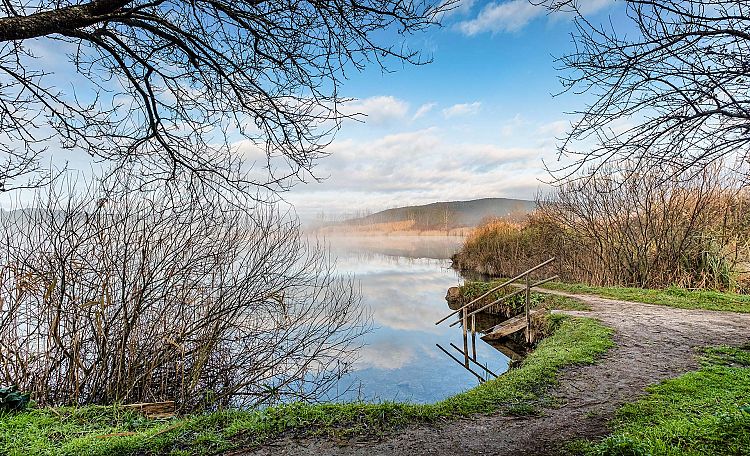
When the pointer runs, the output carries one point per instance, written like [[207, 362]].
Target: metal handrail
[[495, 289]]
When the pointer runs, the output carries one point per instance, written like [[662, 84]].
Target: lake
[[404, 280]]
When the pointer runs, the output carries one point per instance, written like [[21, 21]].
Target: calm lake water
[[404, 281]]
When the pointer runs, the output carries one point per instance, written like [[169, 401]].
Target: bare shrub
[[640, 230], [493, 239], [141, 299]]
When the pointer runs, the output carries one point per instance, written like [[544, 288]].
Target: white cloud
[[555, 128], [462, 109], [420, 167], [513, 15], [512, 126], [380, 111], [593, 6], [456, 8], [424, 109], [385, 355], [502, 17]]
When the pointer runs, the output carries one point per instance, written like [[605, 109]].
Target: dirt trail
[[653, 343]]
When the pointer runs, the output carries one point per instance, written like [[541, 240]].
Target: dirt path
[[653, 343]]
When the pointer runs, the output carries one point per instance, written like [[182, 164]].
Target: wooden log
[[509, 326], [158, 410]]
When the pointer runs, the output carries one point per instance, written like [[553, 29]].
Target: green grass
[[705, 412], [672, 297], [471, 290], [79, 431], [562, 303]]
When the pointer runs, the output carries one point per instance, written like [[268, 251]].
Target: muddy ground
[[653, 343]]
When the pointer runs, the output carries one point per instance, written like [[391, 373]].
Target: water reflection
[[404, 280]]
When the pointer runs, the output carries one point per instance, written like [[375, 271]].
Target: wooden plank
[[164, 409], [509, 326], [506, 328]]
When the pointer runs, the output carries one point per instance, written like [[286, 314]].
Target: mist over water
[[404, 280]]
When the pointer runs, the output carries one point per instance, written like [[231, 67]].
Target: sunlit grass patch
[[705, 412]]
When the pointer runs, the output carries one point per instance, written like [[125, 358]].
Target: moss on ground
[[111, 431]]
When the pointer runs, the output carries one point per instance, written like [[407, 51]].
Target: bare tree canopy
[[670, 83], [133, 300], [166, 88]]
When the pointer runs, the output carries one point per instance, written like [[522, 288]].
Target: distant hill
[[446, 215]]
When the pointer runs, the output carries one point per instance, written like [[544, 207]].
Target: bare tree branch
[[238, 95], [147, 298], [671, 87]]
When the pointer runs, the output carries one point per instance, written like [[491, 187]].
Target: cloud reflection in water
[[406, 295]]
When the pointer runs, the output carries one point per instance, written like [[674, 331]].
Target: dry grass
[[402, 228], [641, 232]]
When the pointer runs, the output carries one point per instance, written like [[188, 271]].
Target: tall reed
[[640, 230]]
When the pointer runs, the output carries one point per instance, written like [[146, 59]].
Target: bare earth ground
[[653, 343]]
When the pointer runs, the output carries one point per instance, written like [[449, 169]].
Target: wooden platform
[[509, 326]]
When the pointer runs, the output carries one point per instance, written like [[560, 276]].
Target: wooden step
[[157, 410], [508, 327]]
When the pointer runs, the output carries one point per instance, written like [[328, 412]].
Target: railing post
[[490, 291], [466, 341], [474, 337], [528, 303]]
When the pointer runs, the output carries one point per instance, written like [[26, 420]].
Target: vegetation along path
[[653, 343]]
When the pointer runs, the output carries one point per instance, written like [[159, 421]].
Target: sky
[[479, 121], [476, 122]]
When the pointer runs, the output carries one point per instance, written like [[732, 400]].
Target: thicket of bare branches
[[166, 89], [140, 300], [628, 229], [669, 79]]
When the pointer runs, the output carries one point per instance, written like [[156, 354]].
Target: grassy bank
[[109, 431], [471, 290], [672, 297], [699, 413]]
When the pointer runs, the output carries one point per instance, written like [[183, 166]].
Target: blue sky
[[476, 122]]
